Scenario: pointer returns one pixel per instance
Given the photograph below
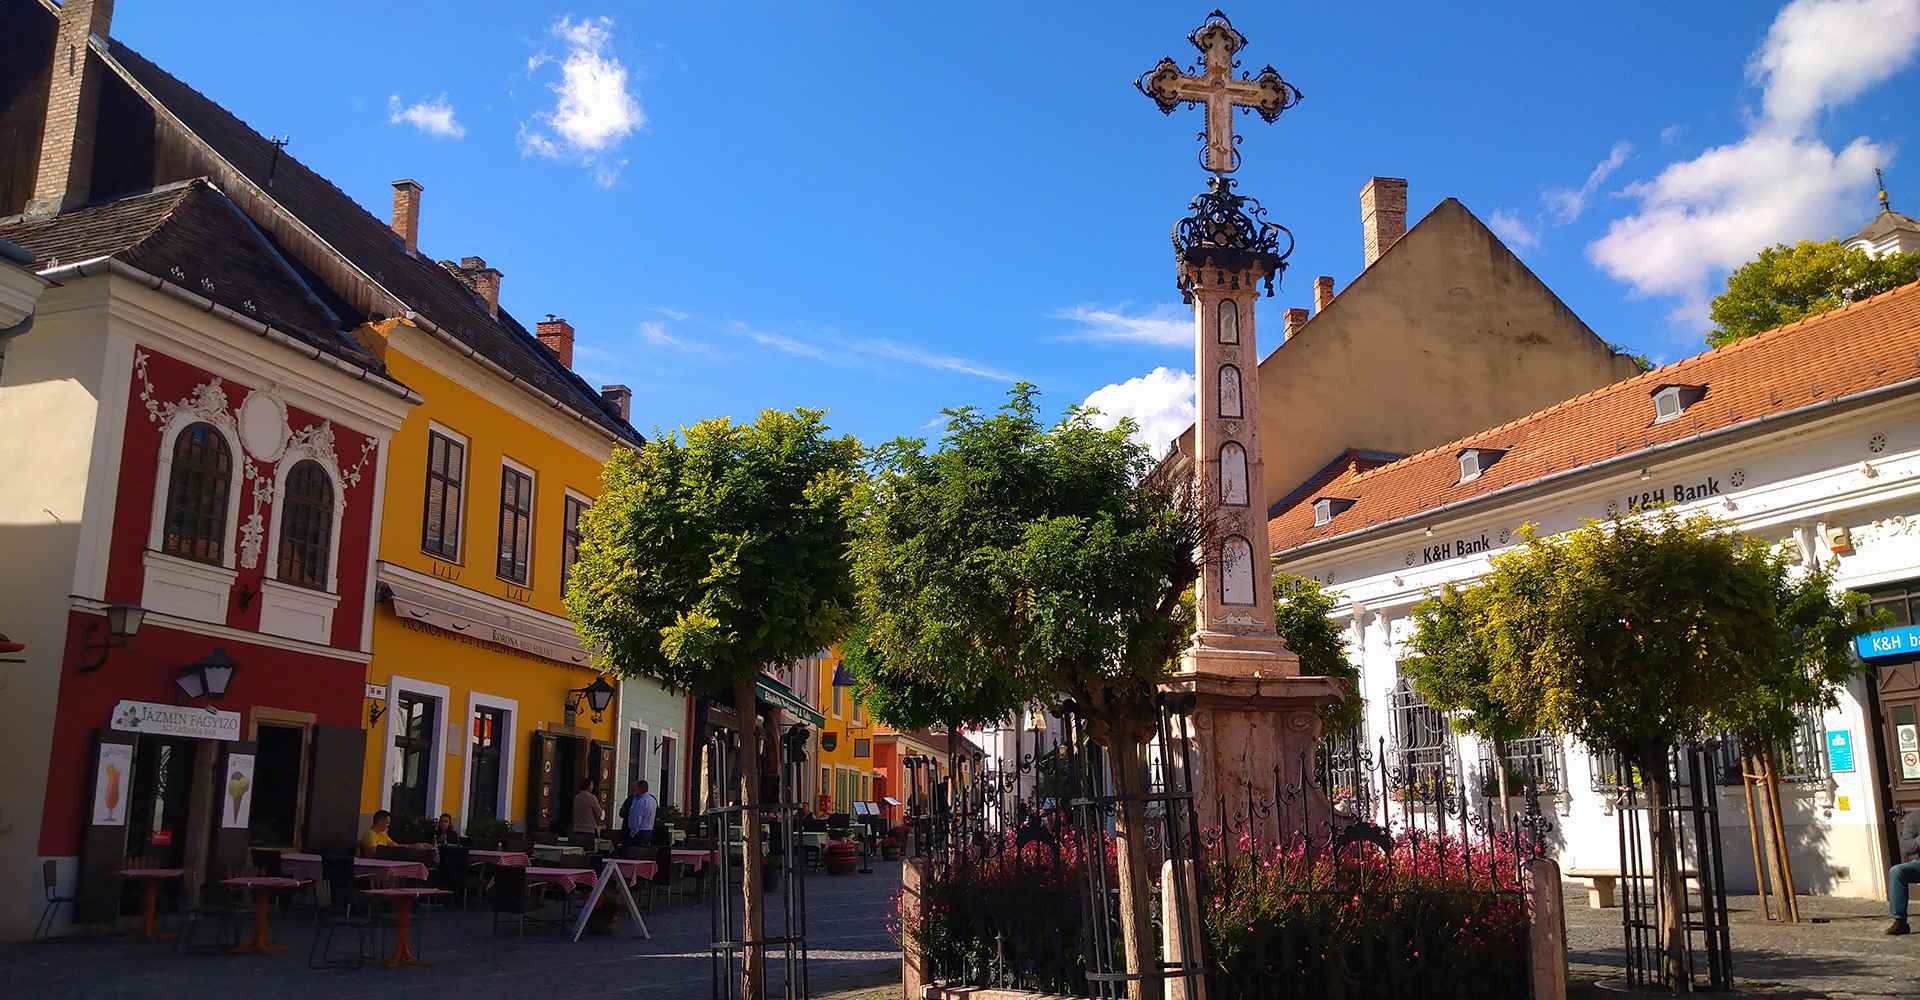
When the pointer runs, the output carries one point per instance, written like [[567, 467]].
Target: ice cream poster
[[113, 784], [236, 791]]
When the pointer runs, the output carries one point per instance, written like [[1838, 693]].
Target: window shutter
[[333, 795]]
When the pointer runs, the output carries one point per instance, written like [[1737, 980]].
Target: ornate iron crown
[[1230, 232]]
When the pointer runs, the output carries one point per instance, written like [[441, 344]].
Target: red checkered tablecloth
[[568, 879], [307, 866], [635, 870], [505, 859]]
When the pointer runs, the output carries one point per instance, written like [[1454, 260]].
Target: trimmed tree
[[1303, 615], [1786, 283], [1021, 563], [1639, 635], [710, 556]]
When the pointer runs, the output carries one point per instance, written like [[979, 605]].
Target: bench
[[1600, 894]]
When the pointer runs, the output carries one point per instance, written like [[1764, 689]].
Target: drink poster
[[113, 784], [236, 791]]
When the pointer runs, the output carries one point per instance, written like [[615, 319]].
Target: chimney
[[64, 178], [557, 334], [1383, 215], [484, 280], [406, 212], [620, 398], [1322, 294], [1294, 319]]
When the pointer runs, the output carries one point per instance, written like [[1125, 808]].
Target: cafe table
[[403, 898], [150, 895], [696, 859], [307, 866], [499, 859], [634, 869], [262, 887], [568, 879]]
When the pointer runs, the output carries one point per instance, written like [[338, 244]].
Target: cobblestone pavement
[[1839, 951], [851, 953]]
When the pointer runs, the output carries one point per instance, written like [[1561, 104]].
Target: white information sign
[[156, 719], [1908, 737]]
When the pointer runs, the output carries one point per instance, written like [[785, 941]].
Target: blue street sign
[[1840, 750], [1889, 642]]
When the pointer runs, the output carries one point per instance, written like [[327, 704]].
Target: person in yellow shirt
[[376, 836]]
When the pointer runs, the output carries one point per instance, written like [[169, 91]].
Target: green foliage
[[1786, 283], [1303, 615], [706, 558], [1639, 633], [1640, 361], [411, 829], [487, 830], [1017, 563]]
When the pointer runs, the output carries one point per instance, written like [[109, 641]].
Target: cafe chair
[[337, 915], [50, 884], [456, 873], [217, 905], [513, 899]]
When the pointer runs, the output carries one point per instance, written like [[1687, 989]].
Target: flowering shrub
[[1425, 917]]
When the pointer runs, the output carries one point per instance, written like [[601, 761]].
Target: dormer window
[[1474, 461], [1326, 509], [1669, 401]]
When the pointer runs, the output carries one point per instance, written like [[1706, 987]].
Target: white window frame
[[436, 797], [1470, 468], [466, 492], [1670, 394], [533, 520], [477, 700], [282, 471], [666, 792], [1322, 513], [586, 504], [646, 755], [163, 476]]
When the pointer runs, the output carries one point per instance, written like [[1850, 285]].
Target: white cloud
[[894, 351], [1160, 402], [1513, 229], [1161, 326], [1671, 134], [434, 117], [868, 353], [1822, 53], [594, 108], [1699, 218], [1566, 204], [677, 315]]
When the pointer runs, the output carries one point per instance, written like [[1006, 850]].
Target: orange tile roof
[[1860, 346]]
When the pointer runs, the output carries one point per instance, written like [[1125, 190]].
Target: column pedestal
[[1253, 714]]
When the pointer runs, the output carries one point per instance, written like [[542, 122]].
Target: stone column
[[1547, 925]]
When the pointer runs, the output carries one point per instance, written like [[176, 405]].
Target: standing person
[[587, 814], [639, 813], [1904, 874]]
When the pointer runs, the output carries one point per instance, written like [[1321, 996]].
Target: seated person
[[377, 837], [444, 831]]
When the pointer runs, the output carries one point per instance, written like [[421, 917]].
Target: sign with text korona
[[155, 719]]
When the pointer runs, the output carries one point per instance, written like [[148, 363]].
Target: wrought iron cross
[[1214, 85]]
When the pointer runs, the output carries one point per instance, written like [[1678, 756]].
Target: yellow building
[[483, 692], [842, 770]]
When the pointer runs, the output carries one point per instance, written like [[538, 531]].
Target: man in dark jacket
[[1904, 874]]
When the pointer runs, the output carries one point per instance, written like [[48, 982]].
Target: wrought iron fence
[[1702, 956], [783, 945]]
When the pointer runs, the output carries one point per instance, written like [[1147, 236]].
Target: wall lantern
[[123, 622], [598, 696], [209, 676]]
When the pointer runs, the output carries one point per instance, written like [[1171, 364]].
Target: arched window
[[306, 526], [195, 523], [1229, 322]]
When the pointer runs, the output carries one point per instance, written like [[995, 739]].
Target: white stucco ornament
[[263, 426]]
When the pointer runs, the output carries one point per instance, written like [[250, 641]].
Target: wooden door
[[332, 815], [1900, 740], [541, 805]]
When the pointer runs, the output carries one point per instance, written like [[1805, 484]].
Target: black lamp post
[[209, 676], [123, 621], [598, 695]]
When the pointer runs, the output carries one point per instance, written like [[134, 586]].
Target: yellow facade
[[461, 695], [842, 774]]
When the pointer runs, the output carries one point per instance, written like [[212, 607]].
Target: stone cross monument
[[1254, 711]]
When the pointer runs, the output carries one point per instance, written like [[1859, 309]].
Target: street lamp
[[598, 695], [123, 621], [209, 676]]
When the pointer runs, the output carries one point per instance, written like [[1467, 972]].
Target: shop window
[[570, 538], [197, 485], [306, 527], [446, 479], [413, 745], [490, 735], [516, 525]]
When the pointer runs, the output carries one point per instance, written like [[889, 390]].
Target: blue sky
[[885, 209]]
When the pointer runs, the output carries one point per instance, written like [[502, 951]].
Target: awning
[[781, 696], [483, 624]]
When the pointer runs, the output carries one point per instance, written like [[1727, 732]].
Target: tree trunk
[[1136, 892], [1669, 886], [1500, 766], [753, 967], [1774, 837]]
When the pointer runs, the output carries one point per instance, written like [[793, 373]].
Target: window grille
[[1345, 770], [306, 527], [196, 520], [1421, 739], [1539, 761]]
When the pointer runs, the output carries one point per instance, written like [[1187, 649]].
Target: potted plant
[[890, 847], [488, 833], [842, 857]]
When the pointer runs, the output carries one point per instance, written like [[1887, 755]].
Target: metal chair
[[513, 899], [216, 904], [50, 882], [337, 914]]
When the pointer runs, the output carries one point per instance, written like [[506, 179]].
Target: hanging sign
[[1840, 751], [1889, 642], [236, 794], [113, 784], [156, 719]]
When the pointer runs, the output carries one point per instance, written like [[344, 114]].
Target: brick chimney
[[1293, 320], [1383, 215], [406, 212], [484, 280], [65, 175], [557, 334], [620, 398], [1322, 294]]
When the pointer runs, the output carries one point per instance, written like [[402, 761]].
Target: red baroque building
[[193, 446]]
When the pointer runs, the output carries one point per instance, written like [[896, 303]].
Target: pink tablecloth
[[687, 856], [568, 879], [152, 872], [307, 866], [509, 859], [635, 870]]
